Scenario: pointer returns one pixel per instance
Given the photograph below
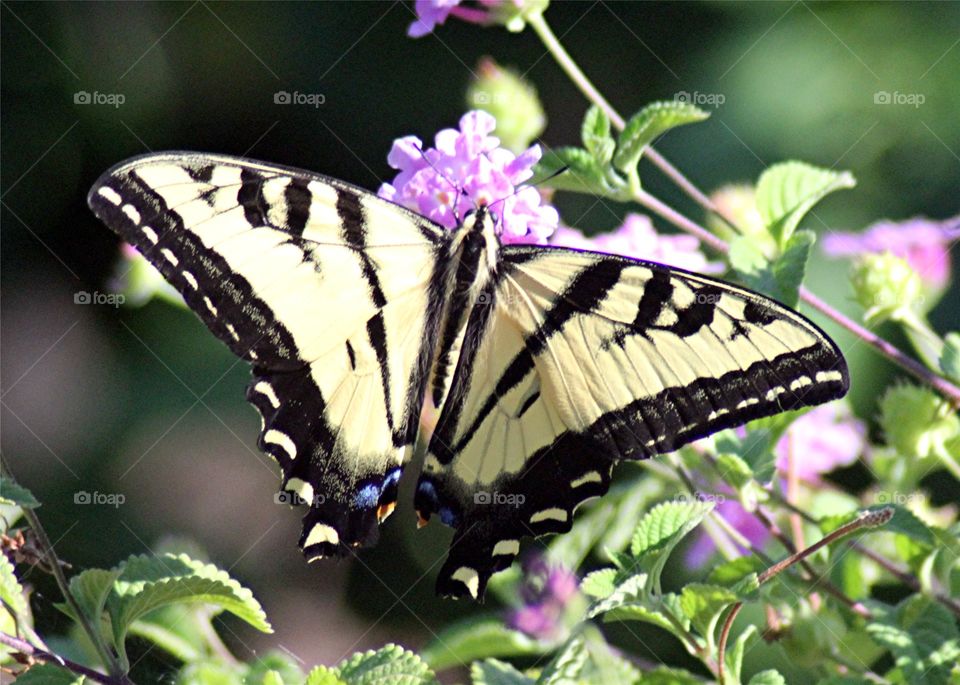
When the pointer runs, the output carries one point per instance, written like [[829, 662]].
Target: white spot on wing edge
[[824, 376], [110, 195], [321, 533], [131, 213], [266, 390], [151, 234], [190, 279], [554, 514], [207, 301], [303, 489], [507, 548], [588, 477], [469, 577], [233, 332], [281, 440], [169, 256]]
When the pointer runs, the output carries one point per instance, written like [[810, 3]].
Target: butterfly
[[544, 366]]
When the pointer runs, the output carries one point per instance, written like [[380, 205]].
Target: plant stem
[[41, 655], [576, 75], [109, 661]]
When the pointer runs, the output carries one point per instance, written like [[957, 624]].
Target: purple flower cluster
[[923, 243], [546, 592], [468, 168], [638, 238], [431, 13]]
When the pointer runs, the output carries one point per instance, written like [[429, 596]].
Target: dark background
[[145, 403]]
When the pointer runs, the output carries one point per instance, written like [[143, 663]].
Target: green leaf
[[47, 674], [91, 590], [595, 133], [209, 673], [581, 172], [269, 678], [13, 493], [734, 657], [734, 571], [666, 524], [787, 191], [599, 584], [180, 629], [647, 124], [703, 604], [321, 675], [950, 356], [587, 658], [768, 677], [390, 665], [922, 636], [148, 583], [494, 672], [477, 638], [780, 278], [734, 470], [277, 665], [664, 675], [11, 592]]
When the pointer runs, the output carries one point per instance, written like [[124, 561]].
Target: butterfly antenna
[[458, 191]]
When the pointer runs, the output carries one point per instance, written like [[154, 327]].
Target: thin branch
[[26, 648]]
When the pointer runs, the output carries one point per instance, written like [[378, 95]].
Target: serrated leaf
[[595, 133], [90, 589], [582, 174], [494, 672], [632, 602], [321, 675], [48, 674], [666, 524], [790, 267], [647, 124], [950, 356], [703, 604], [148, 583], [768, 677], [11, 592], [477, 638], [13, 493], [274, 664], [787, 191], [390, 665], [922, 636], [599, 584]]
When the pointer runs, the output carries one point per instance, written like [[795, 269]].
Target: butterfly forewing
[[331, 294], [581, 360]]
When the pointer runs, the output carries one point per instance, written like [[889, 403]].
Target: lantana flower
[[510, 13], [748, 525], [823, 439], [547, 592], [924, 244], [467, 168], [638, 238]]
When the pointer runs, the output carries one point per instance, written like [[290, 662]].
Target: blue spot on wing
[[367, 496]]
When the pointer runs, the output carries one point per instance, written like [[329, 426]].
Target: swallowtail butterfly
[[546, 365]]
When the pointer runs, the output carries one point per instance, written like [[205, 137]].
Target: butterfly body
[[543, 367]]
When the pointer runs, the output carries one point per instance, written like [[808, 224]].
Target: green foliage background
[[102, 400]]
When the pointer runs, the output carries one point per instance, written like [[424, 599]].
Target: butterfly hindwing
[[331, 294], [577, 360]]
